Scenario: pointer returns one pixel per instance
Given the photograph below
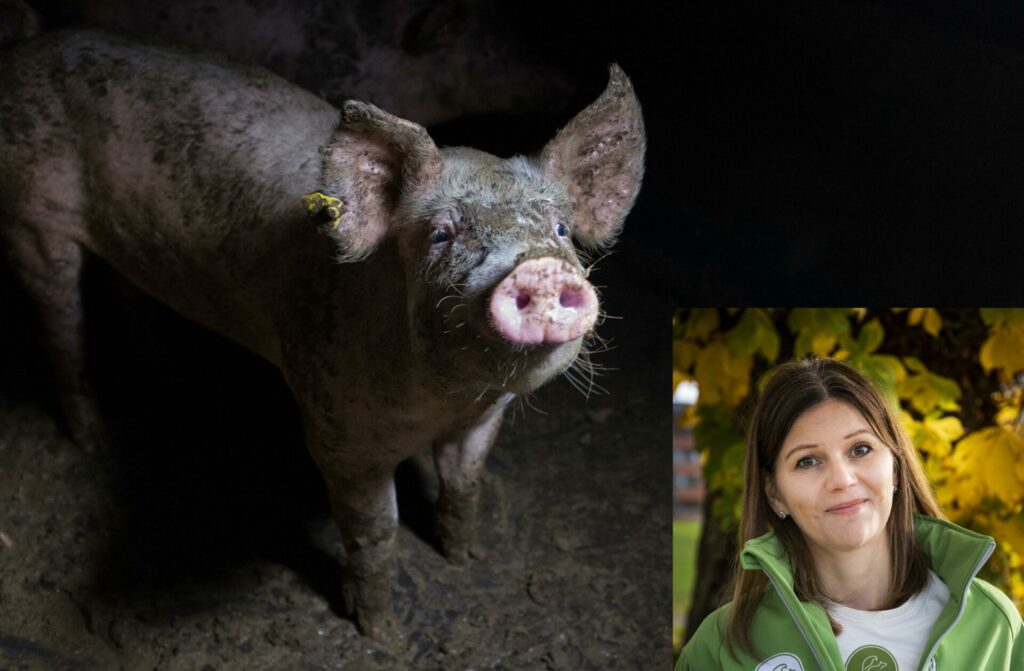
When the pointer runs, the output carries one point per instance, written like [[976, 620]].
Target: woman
[[847, 562]]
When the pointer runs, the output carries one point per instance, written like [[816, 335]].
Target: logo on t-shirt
[[783, 662], [871, 658]]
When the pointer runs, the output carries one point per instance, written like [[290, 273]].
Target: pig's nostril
[[570, 298], [543, 301]]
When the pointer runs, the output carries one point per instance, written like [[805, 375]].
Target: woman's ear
[[773, 496]]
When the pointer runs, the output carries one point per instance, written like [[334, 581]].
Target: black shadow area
[[208, 466]]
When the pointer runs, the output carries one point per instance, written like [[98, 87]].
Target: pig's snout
[[543, 301]]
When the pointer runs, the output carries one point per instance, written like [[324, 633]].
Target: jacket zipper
[[963, 596], [796, 620]]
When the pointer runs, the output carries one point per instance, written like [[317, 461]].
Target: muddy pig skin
[[406, 306]]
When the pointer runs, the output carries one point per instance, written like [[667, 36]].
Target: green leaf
[[728, 481], [927, 391], [701, 323], [817, 329], [722, 376], [743, 337], [849, 345], [884, 370], [914, 364], [715, 434], [871, 336], [769, 335], [755, 332], [997, 316]]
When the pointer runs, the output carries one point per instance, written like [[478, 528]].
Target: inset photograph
[[848, 488]]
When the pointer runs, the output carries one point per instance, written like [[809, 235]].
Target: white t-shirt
[[890, 640]]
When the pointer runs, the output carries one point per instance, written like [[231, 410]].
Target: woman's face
[[834, 476]]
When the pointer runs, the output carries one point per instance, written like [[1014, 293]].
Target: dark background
[[818, 152], [828, 152]]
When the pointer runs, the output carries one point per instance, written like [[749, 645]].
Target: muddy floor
[[202, 540]]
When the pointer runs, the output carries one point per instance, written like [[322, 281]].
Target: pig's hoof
[[458, 556], [371, 611], [461, 554], [477, 551], [379, 626], [85, 426], [93, 439]]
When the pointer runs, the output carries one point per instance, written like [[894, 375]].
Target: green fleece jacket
[[979, 629]]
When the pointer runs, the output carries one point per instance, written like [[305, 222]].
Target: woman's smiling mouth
[[848, 508]]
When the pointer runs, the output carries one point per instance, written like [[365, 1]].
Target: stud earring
[[781, 515]]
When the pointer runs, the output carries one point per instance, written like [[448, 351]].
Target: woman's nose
[[840, 475]]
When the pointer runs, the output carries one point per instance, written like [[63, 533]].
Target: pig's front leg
[[460, 464], [366, 513]]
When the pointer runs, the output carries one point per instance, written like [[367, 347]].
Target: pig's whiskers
[[523, 402], [590, 266], [603, 345], [444, 298], [582, 372]]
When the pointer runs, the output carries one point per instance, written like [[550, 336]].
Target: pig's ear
[[372, 159], [599, 156]]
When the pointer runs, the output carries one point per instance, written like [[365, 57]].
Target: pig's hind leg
[[460, 462], [49, 266]]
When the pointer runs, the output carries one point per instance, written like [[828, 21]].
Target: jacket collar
[[954, 553]]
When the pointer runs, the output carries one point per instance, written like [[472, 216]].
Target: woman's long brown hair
[[794, 388]]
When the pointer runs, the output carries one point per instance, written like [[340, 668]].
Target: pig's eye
[[439, 236], [562, 230]]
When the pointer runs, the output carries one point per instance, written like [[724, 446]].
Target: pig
[[408, 294]]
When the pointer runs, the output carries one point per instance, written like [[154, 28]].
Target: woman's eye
[[562, 230], [861, 450], [439, 236], [806, 462]]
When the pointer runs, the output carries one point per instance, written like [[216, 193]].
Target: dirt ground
[[202, 540]]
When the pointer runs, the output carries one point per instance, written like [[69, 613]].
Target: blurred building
[[687, 484]]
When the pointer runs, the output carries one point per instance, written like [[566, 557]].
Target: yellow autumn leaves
[[986, 463], [928, 318], [1002, 350], [989, 463], [977, 470], [721, 362]]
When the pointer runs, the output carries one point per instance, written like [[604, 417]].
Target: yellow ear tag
[[324, 208]]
